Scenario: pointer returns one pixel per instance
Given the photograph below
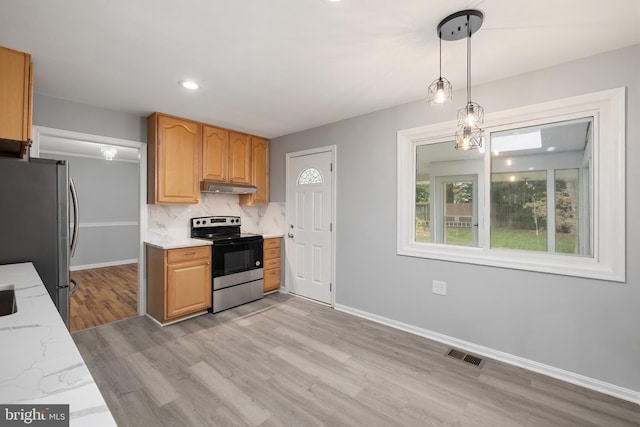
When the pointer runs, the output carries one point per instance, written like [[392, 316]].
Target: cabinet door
[[215, 154], [271, 280], [179, 144], [259, 173], [239, 158], [188, 288], [15, 102]]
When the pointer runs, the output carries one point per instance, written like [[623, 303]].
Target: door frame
[[40, 131], [334, 180]]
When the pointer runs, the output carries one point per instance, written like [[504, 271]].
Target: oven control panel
[[215, 221]]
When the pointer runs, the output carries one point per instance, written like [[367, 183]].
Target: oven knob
[[198, 222], [257, 263]]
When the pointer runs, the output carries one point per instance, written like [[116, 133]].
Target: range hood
[[226, 188]]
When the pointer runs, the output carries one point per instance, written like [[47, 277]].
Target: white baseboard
[[103, 264], [567, 376]]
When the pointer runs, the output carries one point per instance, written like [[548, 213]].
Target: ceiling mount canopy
[[454, 26]]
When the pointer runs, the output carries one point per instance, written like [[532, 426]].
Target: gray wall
[[60, 114], [99, 182], [585, 326], [107, 194]]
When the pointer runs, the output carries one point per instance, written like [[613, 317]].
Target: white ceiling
[[273, 67]]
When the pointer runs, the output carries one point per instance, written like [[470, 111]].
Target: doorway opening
[[108, 175]]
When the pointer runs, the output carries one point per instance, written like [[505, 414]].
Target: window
[[310, 176], [541, 195]]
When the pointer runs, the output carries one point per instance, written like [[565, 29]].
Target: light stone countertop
[[40, 363], [169, 243], [178, 243]]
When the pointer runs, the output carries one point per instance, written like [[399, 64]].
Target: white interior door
[[309, 229]]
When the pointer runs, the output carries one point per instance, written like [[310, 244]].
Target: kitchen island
[[40, 363]]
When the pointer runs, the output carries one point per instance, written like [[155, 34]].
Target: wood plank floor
[[105, 295], [286, 361]]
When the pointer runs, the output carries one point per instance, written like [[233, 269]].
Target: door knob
[[290, 235]]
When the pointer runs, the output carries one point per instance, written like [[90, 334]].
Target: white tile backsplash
[[168, 222]]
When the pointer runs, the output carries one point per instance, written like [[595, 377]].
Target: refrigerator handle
[[76, 217], [72, 290]]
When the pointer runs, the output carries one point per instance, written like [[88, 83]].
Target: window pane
[[568, 230], [519, 210], [423, 212], [445, 193], [458, 215], [310, 176], [541, 186]]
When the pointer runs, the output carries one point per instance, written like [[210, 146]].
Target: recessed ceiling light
[[551, 148], [188, 84]]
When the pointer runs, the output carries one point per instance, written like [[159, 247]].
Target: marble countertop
[[169, 243], [272, 236], [40, 363], [177, 243]]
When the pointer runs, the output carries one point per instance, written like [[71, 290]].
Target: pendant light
[[456, 27], [469, 136], [440, 89]]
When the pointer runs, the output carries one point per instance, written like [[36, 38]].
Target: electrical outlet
[[439, 287]]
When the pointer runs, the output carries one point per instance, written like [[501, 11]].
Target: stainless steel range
[[236, 259]]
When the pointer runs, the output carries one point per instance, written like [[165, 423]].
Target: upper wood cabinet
[[173, 166], [239, 158], [182, 152], [226, 156], [16, 100], [215, 157], [259, 173]]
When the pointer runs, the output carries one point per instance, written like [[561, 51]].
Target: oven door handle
[[227, 243]]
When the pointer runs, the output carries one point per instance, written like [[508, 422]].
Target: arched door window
[[310, 176]]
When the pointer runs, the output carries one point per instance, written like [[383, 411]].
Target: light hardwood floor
[[105, 295], [286, 361]]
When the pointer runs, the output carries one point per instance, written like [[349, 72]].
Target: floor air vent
[[465, 357]]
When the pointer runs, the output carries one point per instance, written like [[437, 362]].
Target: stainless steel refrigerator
[[35, 222]]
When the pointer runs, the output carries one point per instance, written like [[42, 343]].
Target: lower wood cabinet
[[178, 282], [272, 260]]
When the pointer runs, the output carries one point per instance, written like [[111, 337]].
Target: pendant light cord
[[440, 37], [468, 60]]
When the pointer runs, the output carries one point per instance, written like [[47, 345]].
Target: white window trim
[[609, 202]]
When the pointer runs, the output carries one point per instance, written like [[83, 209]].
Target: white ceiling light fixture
[[108, 151], [456, 27], [188, 84]]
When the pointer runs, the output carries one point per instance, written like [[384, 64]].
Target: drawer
[[187, 254], [271, 279], [272, 263], [271, 253], [272, 243]]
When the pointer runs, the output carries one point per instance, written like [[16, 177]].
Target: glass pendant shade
[[471, 114], [439, 91], [469, 138]]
